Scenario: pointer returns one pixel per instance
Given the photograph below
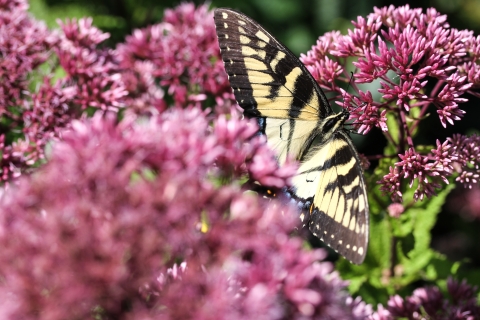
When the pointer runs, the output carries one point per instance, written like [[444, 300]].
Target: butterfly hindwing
[[272, 85], [331, 187]]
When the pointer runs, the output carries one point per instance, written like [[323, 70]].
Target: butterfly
[[272, 85]]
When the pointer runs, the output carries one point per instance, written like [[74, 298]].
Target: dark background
[[298, 23]]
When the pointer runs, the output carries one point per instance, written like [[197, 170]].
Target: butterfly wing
[[270, 83], [331, 187], [267, 79]]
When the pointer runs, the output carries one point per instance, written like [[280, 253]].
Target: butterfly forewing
[[266, 78], [271, 84]]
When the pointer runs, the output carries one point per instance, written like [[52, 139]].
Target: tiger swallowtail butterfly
[[273, 86]]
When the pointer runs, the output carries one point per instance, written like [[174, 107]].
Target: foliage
[[141, 210], [418, 64]]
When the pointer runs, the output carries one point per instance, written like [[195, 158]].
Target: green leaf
[[413, 233], [403, 226], [425, 217], [368, 279], [410, 238]]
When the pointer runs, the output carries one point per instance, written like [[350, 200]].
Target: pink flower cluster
[[149, 217], [94, 71], [25, 44], [458, 154], [430, 303], [99, 230], [181, 54], [31, 119], [404, 52]]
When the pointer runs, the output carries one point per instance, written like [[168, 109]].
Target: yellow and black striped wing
[[331, 187], [267, 79], [272, 85]]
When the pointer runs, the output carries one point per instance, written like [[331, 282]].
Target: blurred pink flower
[[395, 209], [466, 202], [25, 44], [99, 230], [430, 303]]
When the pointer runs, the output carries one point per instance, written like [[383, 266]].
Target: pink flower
[[184, 56], [25, 45], [431, 303], [102, 227], [95, 71], [395, 210], [418, 63]]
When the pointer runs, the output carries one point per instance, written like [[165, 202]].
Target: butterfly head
[[333, 123]]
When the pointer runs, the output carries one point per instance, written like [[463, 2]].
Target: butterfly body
[[273, 86]]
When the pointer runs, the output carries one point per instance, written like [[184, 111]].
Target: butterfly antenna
[[344, 95], [348, 86], [354, 108]]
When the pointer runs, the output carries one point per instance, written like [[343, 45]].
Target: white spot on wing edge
[[225, 25], [360, 251], [224, 15], [262, 36]]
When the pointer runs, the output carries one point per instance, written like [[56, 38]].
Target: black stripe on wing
[[267, 79], [346, 228], [337, 211]]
